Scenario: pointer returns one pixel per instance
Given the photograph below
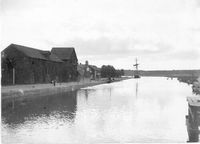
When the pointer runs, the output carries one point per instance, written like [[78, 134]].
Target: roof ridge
[[37, 53], [62, 47], [25, 47]]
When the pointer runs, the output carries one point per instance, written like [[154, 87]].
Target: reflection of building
[[193, 118], [63, 104], [25, 65]]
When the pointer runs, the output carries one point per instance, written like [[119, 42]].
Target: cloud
[[112, 46], [106, 28], [186, 55]]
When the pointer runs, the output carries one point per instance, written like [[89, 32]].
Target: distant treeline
[[165, 73]]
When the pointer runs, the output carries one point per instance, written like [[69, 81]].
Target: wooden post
[[13, 75], [13, 103]]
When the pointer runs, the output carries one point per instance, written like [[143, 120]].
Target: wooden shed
[[25, 65]]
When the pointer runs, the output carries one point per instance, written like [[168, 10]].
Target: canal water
[[135, 110]]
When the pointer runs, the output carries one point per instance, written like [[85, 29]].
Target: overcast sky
[[162, 34]]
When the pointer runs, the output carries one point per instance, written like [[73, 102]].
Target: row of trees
[[109, 71]]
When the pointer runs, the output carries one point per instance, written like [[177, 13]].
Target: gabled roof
[[64, 53], [30, 52], [81, 68], [35, 53], [94, 67]]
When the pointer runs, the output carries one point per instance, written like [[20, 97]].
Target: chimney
[[86, 63]]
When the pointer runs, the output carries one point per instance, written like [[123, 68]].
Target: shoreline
[[38, 90]]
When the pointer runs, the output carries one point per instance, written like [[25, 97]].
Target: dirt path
[[44, 89]]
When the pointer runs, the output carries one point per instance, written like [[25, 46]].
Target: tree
[[10, 63], [108, 71]]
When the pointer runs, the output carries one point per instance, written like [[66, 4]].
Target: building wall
[[70, 67], [69, 72], [95, 74], [30, 70]]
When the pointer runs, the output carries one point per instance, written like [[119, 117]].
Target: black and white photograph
[[100, 71]]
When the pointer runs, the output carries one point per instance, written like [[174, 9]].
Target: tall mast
[[136, 64]]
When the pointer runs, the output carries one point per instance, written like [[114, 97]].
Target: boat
[[136, 76], [193, 118]]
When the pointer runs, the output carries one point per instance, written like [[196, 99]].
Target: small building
[[81, 72], [25, 65], [95, 72], [88, 72]]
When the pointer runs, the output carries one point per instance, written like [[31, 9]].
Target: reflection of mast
[[136, 89]]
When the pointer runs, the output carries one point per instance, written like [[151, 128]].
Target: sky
[[161, 34]]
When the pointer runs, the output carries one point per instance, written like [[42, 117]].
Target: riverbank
[[30, 90], [194, 81]]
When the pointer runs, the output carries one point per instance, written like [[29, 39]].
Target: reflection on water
[[19, 111], [116, 112], [136, 89]]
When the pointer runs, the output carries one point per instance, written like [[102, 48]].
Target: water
[[134, 110]]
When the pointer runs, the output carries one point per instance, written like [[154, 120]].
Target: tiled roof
[[30, 52], [64, 53]]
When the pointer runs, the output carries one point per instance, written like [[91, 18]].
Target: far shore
[[33, 90]]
